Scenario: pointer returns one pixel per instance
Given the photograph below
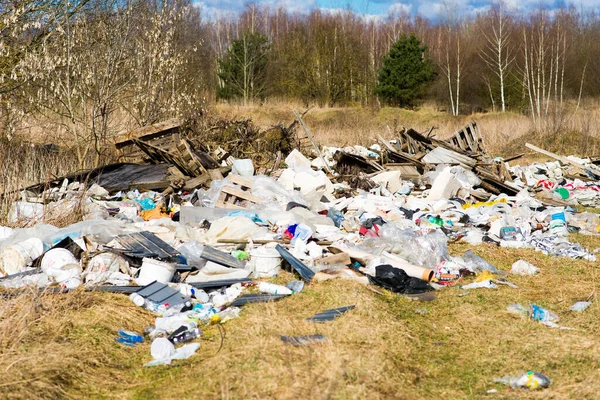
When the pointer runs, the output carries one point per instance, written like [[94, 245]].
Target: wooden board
[[167, 127], [336, 259], [235, 198], [401, 156]]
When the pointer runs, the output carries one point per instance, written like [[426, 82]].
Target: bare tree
[[498, 54], [76, 75]]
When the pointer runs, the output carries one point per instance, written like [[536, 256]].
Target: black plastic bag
[[397, 281]]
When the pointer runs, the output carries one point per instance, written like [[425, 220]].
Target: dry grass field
[[504, 133], [62, 345]]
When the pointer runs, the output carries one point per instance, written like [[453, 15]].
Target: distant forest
[[87, 63]]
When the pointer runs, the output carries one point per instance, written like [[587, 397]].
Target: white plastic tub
[[265, 262], [154, 270]]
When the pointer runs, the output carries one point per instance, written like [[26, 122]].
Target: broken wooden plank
[[203, 179], [299, 119], [492, 184], [468, 139], [231, 196], [241, 194], [579, 167], [336, 259], [196, 182], [156, 185], [239, 180], [512, 158], [401, 156], [368, 166], [167, 127]]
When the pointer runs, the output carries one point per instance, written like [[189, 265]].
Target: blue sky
[[432, 9]]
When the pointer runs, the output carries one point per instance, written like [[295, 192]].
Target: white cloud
[[431, 9], [399, 8]]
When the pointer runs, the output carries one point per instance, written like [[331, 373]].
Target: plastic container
[[558, 224], [243, 168], [154, 270], [265, 262], [59, 259], [186, 336], [271, 288], [19, 255], [137, 299]]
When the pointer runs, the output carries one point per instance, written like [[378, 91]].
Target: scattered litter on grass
[[580, 306], [205, 227], [529, 380], [304, 340]]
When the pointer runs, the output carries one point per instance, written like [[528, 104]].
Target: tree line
[[89, 65]]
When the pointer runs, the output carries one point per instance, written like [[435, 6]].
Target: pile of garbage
[[191, 236]]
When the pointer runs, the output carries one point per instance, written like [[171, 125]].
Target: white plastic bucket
[[265, 262], [154, 270], [62, 266], [19, 255], [59, 259]]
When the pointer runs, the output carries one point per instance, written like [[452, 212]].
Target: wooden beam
[[299, 119], [336, 259], [170, 126], [562, 159]]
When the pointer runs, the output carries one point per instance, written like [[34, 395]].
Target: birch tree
[[498, 53]]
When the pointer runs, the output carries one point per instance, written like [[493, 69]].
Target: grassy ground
[[63, 345]]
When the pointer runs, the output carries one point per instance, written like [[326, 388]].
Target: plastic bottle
[[534, 312], [436, 220], [186, 289], [140, 301], [541, 314], [295, 286], [167, 311], [154, 333], [137, 299], [186, 336], [271, 288], [126, 336], [302, 233], [519, 309]]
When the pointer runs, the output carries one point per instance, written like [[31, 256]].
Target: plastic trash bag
[[530, 380], [478, 264], [522, 267], [163, 352], [397, 281]]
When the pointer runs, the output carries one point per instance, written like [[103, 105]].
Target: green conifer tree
[[405, 73], [242, 71]]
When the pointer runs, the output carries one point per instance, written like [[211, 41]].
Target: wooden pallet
[[468, 139], [232, 197]]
